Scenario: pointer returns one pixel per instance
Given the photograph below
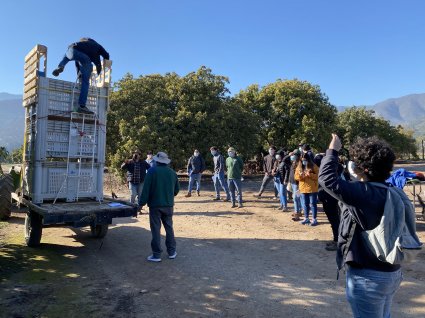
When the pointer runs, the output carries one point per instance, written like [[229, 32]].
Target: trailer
[[61, 178]]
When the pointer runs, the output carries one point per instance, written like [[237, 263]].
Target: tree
[[15, 155], [3, 154], [176, 114], [356, 122], [291, 112]]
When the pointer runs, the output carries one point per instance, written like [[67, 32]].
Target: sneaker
[[233, 206], [226, 200], [84, 110], [154, 259], [331, 247], [314, 223], [295, 218], [57, 71], [216, 199], [240, 205], [276, 198], [188, 195], [172, 256], [305, 221], [285, 209], [258, 195], [199, 194], [280, 207]]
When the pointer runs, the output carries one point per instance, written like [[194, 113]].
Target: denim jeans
[[156, 216], [195, 177], [220, 182], [85, 67], [281, 191], [135, 191], [265, 182], [296, 197], [309, 201], [235, 185], [370, 292]]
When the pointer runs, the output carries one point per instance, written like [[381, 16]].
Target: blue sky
[[359, 52]]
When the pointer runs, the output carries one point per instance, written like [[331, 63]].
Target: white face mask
[[278, 157], [196, 154], [305, 162], [213, 152], [231, 154]]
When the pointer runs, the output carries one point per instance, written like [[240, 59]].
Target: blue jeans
[[85, 68], [235, 185], [297, 200], [370, 292], [195, 177], [281, 188], [219, 181], [135, 190], [309, 200]]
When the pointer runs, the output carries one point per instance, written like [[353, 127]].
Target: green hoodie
[[160, 186], [234, 167]]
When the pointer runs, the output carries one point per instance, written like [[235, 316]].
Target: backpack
[[394, 240]]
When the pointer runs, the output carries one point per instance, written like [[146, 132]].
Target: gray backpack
[[394, 240]]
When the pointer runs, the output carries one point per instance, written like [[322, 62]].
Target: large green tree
[[356, 122], [176, 114], [291, 112]]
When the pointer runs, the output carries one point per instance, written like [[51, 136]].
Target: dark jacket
[[131, 175], [93, 50], [359, 202], [281, 171], [160, 188], [268, 164], [219, 163], [196, 165]]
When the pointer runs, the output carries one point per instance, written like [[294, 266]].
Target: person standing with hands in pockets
[[234, 165]]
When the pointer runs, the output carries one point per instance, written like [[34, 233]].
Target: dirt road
[[249, 262]]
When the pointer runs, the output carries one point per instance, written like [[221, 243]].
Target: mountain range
[[408, 111]]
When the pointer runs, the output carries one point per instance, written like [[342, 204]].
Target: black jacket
[[93, 50], [129, 166], [359, 202], [196, 164]]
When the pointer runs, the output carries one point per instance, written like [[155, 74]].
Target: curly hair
[[373, 156]]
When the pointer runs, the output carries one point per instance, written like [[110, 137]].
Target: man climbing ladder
[[84, 52]]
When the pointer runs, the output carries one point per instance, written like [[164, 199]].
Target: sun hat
[[162, 157]]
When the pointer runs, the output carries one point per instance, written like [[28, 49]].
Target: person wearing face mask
[[149, 158], [195, 167], [218, 178], [281, 177], [234, 166], [295, 158], [136, 172], [307, 176], [268, 165]]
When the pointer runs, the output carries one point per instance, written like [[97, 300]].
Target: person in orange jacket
[[307, 174]]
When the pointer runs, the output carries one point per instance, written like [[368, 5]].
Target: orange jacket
[[308, 180]]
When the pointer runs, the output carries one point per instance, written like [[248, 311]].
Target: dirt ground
[[248, 262]]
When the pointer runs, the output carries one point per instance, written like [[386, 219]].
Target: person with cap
[[161, 186], [219, 178], [234, 165], [84, 53], [136, 172], [268, 165], [195, 167]]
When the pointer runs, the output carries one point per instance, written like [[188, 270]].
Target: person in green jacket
[[160, 187], [234, 166]]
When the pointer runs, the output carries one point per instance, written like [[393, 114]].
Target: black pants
[[330, 206], [266, 180], [156, 216]]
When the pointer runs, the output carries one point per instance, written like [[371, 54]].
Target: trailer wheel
[[33, 228], [99, 230], [6, 188]]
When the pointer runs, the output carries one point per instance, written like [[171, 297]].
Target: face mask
[[305, 162], [271, 152], [278, 157], [135, 157], [196, 154], [231, 154], [293, 158], [213, 152], [300, 149]]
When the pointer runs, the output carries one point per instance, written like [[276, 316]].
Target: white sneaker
[[154, 259], [172, 256]]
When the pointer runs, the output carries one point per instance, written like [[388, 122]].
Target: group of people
[[353, 207]]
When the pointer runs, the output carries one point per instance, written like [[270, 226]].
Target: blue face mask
[[213, 152], [293, 158], [304, 162], [231, 154]]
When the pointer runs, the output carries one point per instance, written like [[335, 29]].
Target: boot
[[188, 195]]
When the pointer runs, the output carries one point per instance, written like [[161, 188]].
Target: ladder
[[83, 135]]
